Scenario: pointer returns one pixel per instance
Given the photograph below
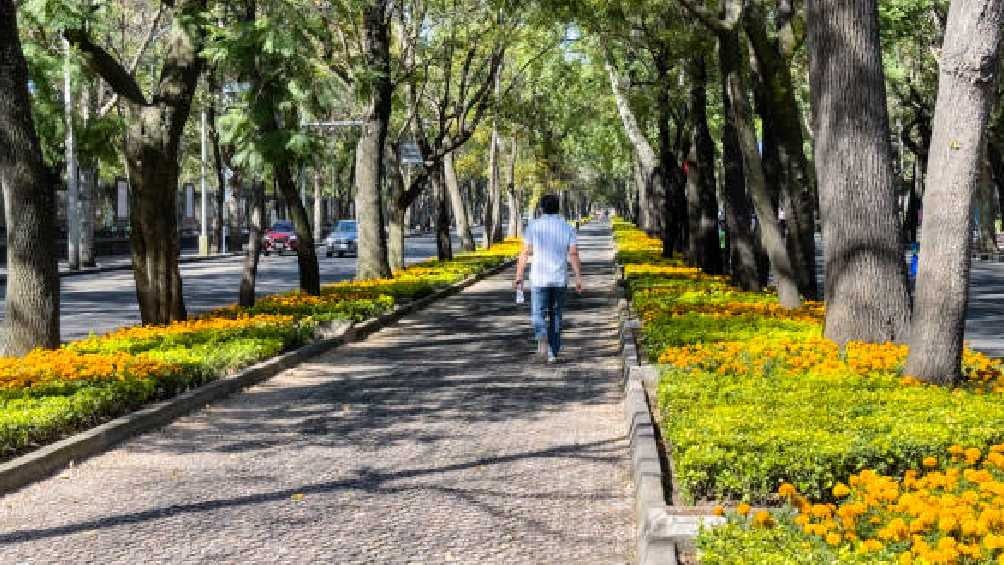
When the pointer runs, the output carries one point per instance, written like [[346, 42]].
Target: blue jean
[[545, 314]]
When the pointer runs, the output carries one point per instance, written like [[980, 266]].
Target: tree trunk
[[457, 200], [647, 174], [318, 223], [398, 208], [154, 129], [444, 248], [32, 300], [738, 219], [515, 214], [966, 89], [153, 163], [705, 251], [369, 172], [493, 216], [256, 219], [86, 196], [214, 137], [674, 201], [780, 110], [306, 252], [866, 293]]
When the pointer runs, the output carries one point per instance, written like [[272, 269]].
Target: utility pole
[[72, 220], [204, 215]]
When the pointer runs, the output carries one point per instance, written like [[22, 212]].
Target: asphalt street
[[102, 302]]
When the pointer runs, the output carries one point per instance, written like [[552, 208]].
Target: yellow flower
[[841, 490], [718, 510], [930, 461], [833, 538], [763, 519], [743, 509], [786, 490]]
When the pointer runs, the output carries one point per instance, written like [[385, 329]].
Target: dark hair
[[550, 204]]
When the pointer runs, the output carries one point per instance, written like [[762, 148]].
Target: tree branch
[[102, 63], [134, 64], [711, 20]]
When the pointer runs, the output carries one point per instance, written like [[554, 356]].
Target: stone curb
[[48, 460], [662, 530]]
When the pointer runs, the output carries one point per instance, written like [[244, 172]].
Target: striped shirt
[[550, 236]]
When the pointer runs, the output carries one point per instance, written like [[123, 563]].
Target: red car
[[281, 237]]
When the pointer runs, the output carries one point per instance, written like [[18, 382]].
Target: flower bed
[[752, 396], [47, 394], [949, 511]]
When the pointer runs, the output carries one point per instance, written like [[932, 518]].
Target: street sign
[[410, 153]]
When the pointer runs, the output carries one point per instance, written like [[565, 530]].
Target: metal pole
[[204, 211], [72, 221]]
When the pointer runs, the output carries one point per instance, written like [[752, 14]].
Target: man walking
[[551, 242]]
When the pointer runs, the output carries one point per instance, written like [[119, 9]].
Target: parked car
[[281, 237], [342, 240]]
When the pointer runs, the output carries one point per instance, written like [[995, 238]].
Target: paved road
[[985, 322], [437, 440], [101, 302]]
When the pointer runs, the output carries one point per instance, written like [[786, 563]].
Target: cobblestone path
[[436, 440]]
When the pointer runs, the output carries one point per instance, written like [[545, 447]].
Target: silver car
[[342, 240]]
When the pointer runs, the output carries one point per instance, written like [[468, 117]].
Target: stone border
[[50, 459], [663, 530]]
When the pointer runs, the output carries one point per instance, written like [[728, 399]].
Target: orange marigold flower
[[930, 461], [743, 509], [841, 490]]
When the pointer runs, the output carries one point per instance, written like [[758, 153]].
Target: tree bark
[[493, 215], [398, 210], [515, 214], [214, 136], [32, 299], [780, 109], [647, 174], [256, 218], [741, 116], [966, 89], [444, 248], [318, 224], [151, 153], [457, 200], [866, 292], [86, 196], [306, 252], [705, 249], [738, 219], [369, 168]]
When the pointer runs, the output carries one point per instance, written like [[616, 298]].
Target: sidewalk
[[436, 440]]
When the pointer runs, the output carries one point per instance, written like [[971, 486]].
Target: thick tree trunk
[[444, 248], [369, 171], [770, 234], [306, 252], [397, 210], [738, 218], [32, 299], [154, 129], [674, 202], [256, 219], [152, 155], [866, 293], [457, 200], [966, 89], [703, 214], [780, 110]]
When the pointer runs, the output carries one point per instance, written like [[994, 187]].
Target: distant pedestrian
[[551, 242]]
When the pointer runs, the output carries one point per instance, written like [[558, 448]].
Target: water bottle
[[520, 296]]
